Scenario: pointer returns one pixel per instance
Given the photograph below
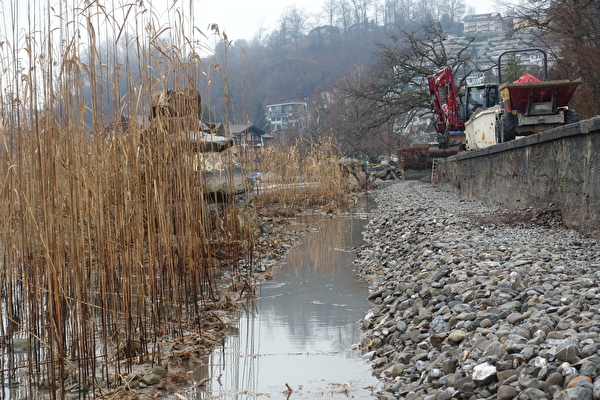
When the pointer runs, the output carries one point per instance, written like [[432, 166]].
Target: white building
[[477, 23], [286, 115]]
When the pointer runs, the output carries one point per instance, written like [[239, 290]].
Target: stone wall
[[560, 167]]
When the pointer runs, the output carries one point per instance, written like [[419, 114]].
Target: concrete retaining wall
[[559, 166]]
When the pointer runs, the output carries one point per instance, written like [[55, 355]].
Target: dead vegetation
[[546, 217], [304, 176], [113, 239], [111, 243]]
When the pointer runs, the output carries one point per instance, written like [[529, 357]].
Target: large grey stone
[[506, 392], [577, 393], [532, 394], [568, 352], [484, 373], [151, 379], [596, 390]]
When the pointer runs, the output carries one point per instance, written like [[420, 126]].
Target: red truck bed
[[517, 94]]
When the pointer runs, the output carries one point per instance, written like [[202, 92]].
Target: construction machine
[[496, 113], [450, 114]]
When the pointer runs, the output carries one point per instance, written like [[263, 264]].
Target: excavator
[[451, 115], [496, 113]]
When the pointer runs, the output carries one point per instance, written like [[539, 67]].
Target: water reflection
[[301, 329]]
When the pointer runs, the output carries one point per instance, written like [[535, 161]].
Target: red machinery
[[445, 102], [527, 106], [450, 114]]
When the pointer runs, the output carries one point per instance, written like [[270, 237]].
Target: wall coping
[[579, 128]]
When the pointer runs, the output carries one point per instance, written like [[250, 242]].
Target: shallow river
[[302, 328]]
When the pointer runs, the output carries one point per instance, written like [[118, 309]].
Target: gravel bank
[[472, 301]]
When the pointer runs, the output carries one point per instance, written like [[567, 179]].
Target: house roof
[[324, 29], [287, 103], [237, 129], [480, 17]]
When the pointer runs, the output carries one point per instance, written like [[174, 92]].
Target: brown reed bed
[[109, 237], [300, 177]]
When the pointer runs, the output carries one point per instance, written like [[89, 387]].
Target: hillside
[[260, 75]]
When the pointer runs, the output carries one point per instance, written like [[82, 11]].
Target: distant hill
[[260, 75]]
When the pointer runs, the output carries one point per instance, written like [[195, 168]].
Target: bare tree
[[455, 9], [389, 12], [296, 19], [350, 116], [396, 89], [470, 10], [260, 32], [378, 13], [403, 11], [359, 10], [278, 38], [329, 9], [335, 113], [424, 11], [344, 14], [450, 12]]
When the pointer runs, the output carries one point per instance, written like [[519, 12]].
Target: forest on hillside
[[307, 53]]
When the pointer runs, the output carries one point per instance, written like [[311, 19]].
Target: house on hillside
[[286, 115], [250, 136], [480, 23], [324, 34], [362, 27]]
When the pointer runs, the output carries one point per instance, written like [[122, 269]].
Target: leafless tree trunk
[[455, 9], [404, 13], [344, 15], [360, 8], [260, 32], [296, 19], [329, 9]]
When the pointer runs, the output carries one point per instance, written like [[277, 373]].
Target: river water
[[301, 331]]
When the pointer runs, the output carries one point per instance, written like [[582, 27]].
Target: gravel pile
[[472, 304]]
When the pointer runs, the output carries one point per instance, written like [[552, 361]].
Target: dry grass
[[298, 177], [106, 236]]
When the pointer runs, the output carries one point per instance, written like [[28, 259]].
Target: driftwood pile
[[360, 179]]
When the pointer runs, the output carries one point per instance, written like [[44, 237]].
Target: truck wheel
[[571, 116], [509, 125]]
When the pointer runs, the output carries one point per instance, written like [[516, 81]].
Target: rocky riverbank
[[472, 301]]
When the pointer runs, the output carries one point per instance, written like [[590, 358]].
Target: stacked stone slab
[[178, 113]]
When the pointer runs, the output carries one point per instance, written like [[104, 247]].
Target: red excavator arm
[[445, 102]]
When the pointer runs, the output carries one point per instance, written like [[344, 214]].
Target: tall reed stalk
[[107, 235], [305, 175]]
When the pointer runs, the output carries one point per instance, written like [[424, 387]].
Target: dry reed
[[108, 235], [306, 175]]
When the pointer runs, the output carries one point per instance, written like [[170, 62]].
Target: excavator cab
[[479, 96]]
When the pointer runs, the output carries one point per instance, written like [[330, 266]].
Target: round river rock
[[470, 304]]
